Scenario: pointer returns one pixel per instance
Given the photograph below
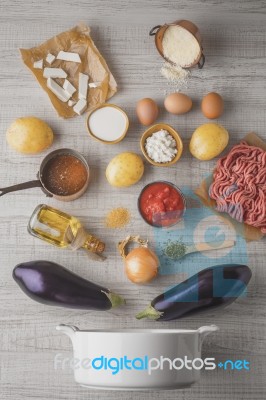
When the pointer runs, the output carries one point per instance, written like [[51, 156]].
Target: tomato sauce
[[161, 204]]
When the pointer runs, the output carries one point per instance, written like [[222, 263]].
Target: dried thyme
[[174, 249]]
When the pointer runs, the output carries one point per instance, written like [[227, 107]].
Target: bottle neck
[[93, 244]]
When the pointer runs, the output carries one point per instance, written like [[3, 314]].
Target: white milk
[[107, 123]]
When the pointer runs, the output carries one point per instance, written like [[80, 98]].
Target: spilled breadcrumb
[[117, 218]]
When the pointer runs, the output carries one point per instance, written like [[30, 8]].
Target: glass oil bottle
[[62, 230]]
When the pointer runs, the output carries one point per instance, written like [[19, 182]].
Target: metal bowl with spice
[[63, 174], [171, 131]]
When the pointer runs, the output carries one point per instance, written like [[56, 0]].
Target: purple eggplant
[[51, 284], [210, 288]]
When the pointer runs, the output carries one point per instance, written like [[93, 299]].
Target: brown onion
[[141, 265]]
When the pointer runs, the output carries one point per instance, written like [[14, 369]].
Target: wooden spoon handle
[[214, 245]]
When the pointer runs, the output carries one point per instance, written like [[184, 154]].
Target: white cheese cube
[[94, 85], [83, 85], [69, 88], [80, 106], [71, 103], [68, 56], [50, 58], [58, 90], [54, 73], [38, 64]]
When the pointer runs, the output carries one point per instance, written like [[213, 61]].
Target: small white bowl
[[108, 105]]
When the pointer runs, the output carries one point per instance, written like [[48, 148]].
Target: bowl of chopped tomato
[[161, 204]]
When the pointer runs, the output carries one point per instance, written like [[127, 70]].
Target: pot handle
[[155, 28], [20, 186], [204, 331], [69, 330], [201, 61]]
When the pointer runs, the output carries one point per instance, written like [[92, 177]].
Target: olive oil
[[62, 230]]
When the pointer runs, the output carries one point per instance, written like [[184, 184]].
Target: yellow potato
[[208, 141], [29, 135], [125, 169]]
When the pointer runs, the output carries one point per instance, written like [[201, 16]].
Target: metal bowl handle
[[156, 28], [20, 186], [201, 61]]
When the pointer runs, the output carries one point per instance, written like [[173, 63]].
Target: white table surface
[[235, 46]]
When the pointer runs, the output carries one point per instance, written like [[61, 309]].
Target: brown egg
[[212, 105], [147, 111], [178, 103]]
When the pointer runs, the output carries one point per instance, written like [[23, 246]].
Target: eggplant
[[51, 284], [211, 288]]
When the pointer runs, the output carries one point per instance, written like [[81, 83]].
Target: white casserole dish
[[100, 357]]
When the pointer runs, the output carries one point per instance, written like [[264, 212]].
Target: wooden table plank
[[234, 36]]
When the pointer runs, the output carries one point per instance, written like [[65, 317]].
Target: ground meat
[[239, 185]]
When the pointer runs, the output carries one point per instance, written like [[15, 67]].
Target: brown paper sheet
[[250, 233], [77, 40]]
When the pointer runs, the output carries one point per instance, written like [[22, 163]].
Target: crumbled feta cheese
[[80, 106], [94, 85], [83, 85], [58, 90], [69, 88], [161, 146], [54, 73], [50, 58], [68, 56], [71, 103], [38, 64]]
